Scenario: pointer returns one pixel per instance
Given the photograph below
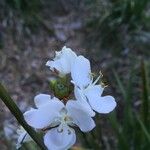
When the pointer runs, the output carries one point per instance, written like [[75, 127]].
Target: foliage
[[24, 6], [115, 20], [133, 132]]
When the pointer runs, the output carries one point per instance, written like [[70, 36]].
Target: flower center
[[65, 121]]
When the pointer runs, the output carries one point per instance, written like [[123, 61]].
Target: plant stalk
[[19, 116]]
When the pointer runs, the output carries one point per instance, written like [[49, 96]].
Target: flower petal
[[96, 90], [41, 99], [82, 100], [61, 65], [23, 137], [55, 140], [80, 117], [102, 104], [44, 115], [68, 54], [62, 61], [52, 65], [79, 94], [80, 71]]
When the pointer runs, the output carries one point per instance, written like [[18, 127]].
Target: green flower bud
[[61, 88], [52, 84]]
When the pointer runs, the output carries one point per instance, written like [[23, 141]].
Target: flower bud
[[61, 88]]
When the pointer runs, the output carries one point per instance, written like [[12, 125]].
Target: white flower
[[23, 137], [52, 114], [86, 90], [62, 61]]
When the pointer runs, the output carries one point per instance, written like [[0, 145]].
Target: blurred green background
[[113, 34]]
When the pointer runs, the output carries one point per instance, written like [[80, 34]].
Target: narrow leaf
[[147, 134]]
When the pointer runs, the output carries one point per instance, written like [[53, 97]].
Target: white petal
[[23, 137], [61, 65], [79, 116], [79, 94], [20, 140], [65, 66], [82, 100], [62, 61], [41, 99], [44, 115], [102, 104], [55, 140], [96, 90], [69, 56], [81, 71], [48, 63]]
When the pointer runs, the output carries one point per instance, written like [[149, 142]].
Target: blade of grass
[[85, 140], [145, 96], [127, 97], [122, 89], [145, 131], [128, 119], [119, 132], [98, 132], [19, 116]]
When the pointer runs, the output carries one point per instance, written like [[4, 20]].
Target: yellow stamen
[[103, 84], [100, 73]]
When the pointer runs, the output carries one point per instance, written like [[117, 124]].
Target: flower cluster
[[77, 96]]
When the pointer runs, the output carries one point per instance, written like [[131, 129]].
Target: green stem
[[19, 116]]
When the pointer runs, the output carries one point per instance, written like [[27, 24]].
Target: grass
[[113, 21], [24, 6], [133, 132]]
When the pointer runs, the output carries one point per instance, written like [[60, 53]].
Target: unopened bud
[[62, 88]]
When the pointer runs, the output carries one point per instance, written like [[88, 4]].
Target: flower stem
[[19, 116]]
